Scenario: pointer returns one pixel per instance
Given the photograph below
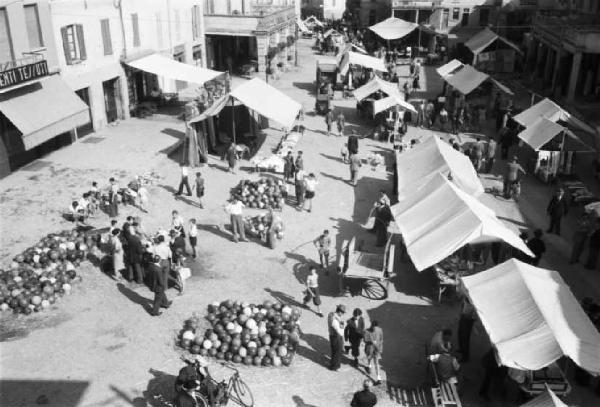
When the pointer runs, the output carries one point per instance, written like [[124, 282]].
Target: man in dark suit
[[556, 209], [134, 260], [352, 143], [158, 285], [364, 397]]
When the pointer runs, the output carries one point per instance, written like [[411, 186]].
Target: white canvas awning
[[466, 80], [389, 102], [393, 28], [169, 68], [377, 84], [450, 68], [313, 20], [544, 130], [331, 31], [348, 47], [301, 26], [532, 317], [438, 219], [367, 61], [433, 156], [484, 39], [546, 399], [551, 111], [268, 101]]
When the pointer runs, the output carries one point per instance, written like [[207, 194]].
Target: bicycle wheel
[[243, 394]]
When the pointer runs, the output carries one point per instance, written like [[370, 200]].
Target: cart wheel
[[374, 290]]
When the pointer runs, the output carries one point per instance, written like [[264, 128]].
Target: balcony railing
[[254, 10], [26, 60]]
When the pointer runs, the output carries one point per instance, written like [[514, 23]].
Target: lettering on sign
[[23, 73]]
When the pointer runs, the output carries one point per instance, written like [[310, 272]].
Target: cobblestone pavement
[[99, 347]]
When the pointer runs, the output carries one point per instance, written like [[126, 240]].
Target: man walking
[[184, 181], [299, 188], [556, 209], [329, 121], [490, 155], [511, 175], [341, 123], [537, 247], [159, 285], [235, 209], [352, 143], [373, 349], [355, 164], [136, 250], [354, 332], [312, 291], [199, 189], [323, 243], [364, 397], [298, 164], [336, 324]]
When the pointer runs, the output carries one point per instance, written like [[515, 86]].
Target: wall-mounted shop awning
[[393, 28], [169, 68], [268, 101], [44, 110]]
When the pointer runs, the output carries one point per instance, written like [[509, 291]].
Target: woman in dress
[[117, 253]]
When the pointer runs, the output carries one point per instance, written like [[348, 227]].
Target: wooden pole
[[233, 118]]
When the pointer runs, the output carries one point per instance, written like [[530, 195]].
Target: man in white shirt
[[235, 210], [163, 251], [184, 181], [336, 324]]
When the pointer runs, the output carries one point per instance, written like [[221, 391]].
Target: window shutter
[[81, 42], [106, 39], [65, 40]]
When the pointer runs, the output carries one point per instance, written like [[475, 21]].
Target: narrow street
[[99, 347]]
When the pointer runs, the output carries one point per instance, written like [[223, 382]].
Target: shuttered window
[[73, 43], [6, 49], [106, 39], [136, 30]]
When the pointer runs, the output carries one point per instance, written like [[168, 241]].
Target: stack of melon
[[41, 274], [262, 335], [266, 193]]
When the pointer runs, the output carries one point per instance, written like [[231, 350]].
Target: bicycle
[[235, 389]]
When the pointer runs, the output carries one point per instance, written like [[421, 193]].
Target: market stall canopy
[[268, 101], [484, 39], [213, 110], [551, 111], [366, 61], [374, 85], [532, 317], [43, 110], [546, 399], [450, 68], [438, 219], [169, 68], [331, 31], [381, 105], [466, 80], [302, 26], [393, 28], [348, 47], [433, 156], [313, 20], [544, 130]]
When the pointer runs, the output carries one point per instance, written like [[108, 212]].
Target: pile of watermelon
[[261, 335], [266, 193], [41, 274]]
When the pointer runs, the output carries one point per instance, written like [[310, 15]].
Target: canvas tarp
[[169, 68], [377, 84], [544, 130], [268, 101], [450, 68], [348, 47], [551, 111], [546, 399], [438, 219], [367, 61], [331, 31], [301, 26], [213, 110], [431, 157], [485, 38], [532, 317], [389, 102], [466, 80], [393, 28], [313, 20]]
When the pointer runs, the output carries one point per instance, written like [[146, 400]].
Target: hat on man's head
[[341, 308]]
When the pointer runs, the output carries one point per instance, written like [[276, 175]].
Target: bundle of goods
[[43, 273], [263, 194], [262, 226], [260, 335]]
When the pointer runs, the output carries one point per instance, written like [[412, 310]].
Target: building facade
[[38, 111], [247, 36], [365, 13], [97, 38]]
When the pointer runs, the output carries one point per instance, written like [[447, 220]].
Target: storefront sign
[[408, 3], [22, 74]]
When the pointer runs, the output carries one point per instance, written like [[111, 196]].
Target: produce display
[[262, 335], [260, 226], [41, 274], [263, 194]]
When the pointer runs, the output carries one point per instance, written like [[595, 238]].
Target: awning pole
[[233, 118]]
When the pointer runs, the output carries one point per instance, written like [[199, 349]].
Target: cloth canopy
[[466, 79], [367, 61], [301, 26], [169, 68], [393, 28], [313, 20], [450, 68], [268, 101], [43, 110], [439, 219], [348, 47], [431, 157], [546, 399], [485, 38], [377, 84], [544, 130], [384, 104], [551, 111], [213, 110], [532, 317], [331, 31]]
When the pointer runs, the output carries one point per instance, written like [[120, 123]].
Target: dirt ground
[[99, 347]]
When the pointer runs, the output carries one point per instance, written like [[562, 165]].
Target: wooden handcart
[[372, 269]]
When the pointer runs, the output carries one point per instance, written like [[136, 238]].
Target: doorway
[[111, 99]]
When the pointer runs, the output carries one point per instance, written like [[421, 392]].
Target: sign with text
[[415, 4], [23, 73]]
